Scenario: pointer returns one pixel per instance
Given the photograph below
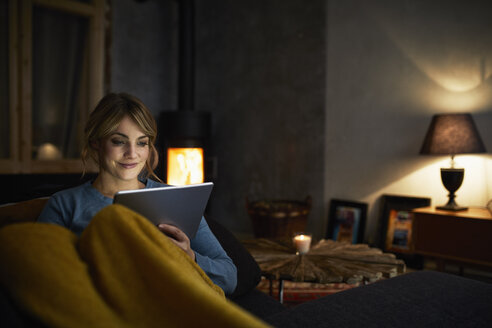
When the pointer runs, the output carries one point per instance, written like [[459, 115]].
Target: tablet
[[182, 206]]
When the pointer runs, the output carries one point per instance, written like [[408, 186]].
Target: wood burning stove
[[185, 136]]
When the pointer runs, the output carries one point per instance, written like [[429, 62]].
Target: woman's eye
[[117, 142], [143, 143]]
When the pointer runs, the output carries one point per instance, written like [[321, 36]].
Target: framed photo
[[396, 225], [346, 221]]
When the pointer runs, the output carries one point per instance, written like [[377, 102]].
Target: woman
[[120, 136]]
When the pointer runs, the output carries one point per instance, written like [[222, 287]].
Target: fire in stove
[[184, 140], [185, 166]]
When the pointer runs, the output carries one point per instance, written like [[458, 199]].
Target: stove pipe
[[185, 127], [186, 58]]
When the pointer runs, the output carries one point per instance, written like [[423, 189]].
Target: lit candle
[[302, 243]]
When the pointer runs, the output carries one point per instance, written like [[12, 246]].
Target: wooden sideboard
[[464, 237]]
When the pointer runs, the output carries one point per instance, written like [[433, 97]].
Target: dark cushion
[[418, 299], [259, 304], [248, 271]]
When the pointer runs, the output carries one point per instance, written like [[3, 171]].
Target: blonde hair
[[106, 117]]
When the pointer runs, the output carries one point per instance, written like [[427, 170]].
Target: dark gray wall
[[324, 98], [260, 72], [144, 51]]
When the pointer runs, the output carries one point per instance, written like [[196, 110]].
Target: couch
[[417, 299]]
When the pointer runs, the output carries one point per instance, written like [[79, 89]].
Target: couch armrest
[[248, 271], [26, 211]]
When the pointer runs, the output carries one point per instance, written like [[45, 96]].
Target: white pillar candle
[[302, 243]]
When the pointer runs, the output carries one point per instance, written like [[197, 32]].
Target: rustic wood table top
[[327, 261]]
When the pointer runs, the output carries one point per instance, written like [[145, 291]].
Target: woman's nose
[[130, 151]]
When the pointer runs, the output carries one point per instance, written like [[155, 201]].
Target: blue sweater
[[74, 208]]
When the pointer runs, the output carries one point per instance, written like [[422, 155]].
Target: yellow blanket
[[121, 272]]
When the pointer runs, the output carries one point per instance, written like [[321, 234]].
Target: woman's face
[[123, 153]]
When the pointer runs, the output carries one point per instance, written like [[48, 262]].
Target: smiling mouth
[[129, 166]]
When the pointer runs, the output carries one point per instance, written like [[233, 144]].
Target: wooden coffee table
[[327, 261]]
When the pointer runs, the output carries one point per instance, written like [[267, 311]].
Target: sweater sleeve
[[212, 258], [53, 213]]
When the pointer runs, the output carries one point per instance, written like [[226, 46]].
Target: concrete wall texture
[[326, 98]]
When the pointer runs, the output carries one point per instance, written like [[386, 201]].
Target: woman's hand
[[178, 237]]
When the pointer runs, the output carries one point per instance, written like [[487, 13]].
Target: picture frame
[[346, 221], [396, 226]]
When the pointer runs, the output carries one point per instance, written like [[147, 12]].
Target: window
[[4, 82], [51, 66]]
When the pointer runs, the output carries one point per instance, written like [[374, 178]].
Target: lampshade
[[451, 134]]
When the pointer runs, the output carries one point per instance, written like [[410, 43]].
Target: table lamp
[[452, 134]]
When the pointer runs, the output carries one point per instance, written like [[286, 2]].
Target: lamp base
[[453, 207], [452, 179]]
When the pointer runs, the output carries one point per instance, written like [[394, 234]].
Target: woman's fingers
[[172, 231], [178, 237]]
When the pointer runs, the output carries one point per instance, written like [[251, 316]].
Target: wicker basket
[[278, 218]]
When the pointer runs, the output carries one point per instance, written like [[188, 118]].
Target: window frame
[[21, 84]]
